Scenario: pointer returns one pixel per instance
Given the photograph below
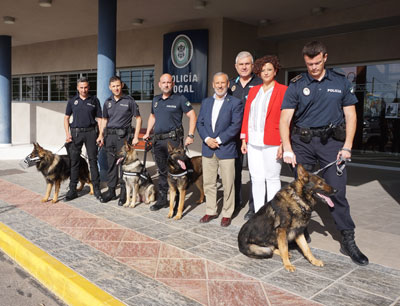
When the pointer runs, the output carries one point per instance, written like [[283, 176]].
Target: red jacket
[[271, 130]]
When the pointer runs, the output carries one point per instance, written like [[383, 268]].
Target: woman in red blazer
[[260, 131]]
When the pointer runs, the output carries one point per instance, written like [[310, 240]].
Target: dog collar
[[180, 174]]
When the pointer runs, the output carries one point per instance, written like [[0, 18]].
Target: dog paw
[[126, 204], [318, 263], [177, 217], [170, 214], [44, 200], [132, 205], [53, 201], [290, 268]]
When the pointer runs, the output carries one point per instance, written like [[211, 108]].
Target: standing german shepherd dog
[[136, 177], [284, 219], [56, 169], [182, 172]]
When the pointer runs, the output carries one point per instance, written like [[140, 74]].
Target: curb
[[68, 285]]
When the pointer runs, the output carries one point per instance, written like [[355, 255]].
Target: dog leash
[[340, 165]]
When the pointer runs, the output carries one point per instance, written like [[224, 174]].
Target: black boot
[[348, 247], [122, 195], [161, 202], [108, 195], [97, 192], [71, 194]]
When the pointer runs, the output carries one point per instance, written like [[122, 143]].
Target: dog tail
[[251, 249]]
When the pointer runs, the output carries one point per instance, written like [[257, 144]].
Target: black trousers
[[160, 156], [238, 183], [308, 154], [114, 143], [75, 149]]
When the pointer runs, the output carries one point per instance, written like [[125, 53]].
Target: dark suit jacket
[[227, 126]]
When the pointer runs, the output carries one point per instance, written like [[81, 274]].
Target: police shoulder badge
[[233, 88], [156, 104], [187, 103], [76, 102], [109, 105], [306, 91], [296, 78], [352, 90]]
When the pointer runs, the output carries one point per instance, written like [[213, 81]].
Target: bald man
[[166, 118]]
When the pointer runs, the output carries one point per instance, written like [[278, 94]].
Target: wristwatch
[[191, 136]]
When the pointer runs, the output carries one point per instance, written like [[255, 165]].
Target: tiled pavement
[[142, 258]]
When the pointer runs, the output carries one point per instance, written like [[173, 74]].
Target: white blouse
[[258, 113]]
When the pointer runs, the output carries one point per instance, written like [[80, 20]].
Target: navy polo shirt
[[168, 112], [237, 90], [318, 103], [84, 111], [119, 113]]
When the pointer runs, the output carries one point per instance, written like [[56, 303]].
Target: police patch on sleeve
[[187, 103], [233, 88], [109, 105], [352, 90]]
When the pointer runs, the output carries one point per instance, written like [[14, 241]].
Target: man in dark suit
[[218, 124]]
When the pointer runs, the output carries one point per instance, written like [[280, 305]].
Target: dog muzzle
[[29, 162]]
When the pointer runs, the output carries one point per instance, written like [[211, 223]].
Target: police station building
[[46, 45]]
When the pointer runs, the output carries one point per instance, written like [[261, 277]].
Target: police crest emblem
[[76, 102], [109, 105], [306, 91], [233, 88], [181, 51]]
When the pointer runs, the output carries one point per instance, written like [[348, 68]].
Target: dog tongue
[[327, 199], [182, 164], [119, 160]]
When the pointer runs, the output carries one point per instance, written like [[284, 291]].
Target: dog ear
[[170, 147], [301, 172]]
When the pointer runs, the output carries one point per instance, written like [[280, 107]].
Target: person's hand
[[279, 154], [135, 141], [344, 154], [290, 158], [68, 138], [212, 143], [100, 141], [146, 136], [188, 141], [243, 148]]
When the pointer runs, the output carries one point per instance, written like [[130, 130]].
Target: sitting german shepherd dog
[[136, 177], [56, 169], [284, 218], [182, 172]]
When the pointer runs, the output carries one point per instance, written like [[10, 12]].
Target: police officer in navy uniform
[[239, 87], [321, 103], [166, 117], [118, 111], [85, 110]]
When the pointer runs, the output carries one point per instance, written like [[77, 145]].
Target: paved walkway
[[142, 258]]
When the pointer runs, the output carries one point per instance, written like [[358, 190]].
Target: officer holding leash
[[321, 103], [85, 110], [166, 118], [118, 111]]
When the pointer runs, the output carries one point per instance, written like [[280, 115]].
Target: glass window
[[139, 83], [15, 89]]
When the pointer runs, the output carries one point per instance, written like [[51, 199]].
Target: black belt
[[77, 130], [172, 134], [111, 131], [317, 131]]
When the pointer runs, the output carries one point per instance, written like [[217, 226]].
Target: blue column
[[5, 89], [106, 50]]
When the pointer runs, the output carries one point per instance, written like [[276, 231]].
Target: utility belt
[[175, 134], [87, 129], [120, 132], [324, 133]]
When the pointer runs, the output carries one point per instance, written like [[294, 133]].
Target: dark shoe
[[161, 202], [108, 195], [249, 214], [71, 194], [122, 196], [226, 222], [97, 192], [348, 247], [207, 218]]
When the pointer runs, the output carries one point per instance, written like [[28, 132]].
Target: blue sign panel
[[185, 58]]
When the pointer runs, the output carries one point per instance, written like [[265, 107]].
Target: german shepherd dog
[[136, 177], [284, 218], [182, 173], [56, 169]]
